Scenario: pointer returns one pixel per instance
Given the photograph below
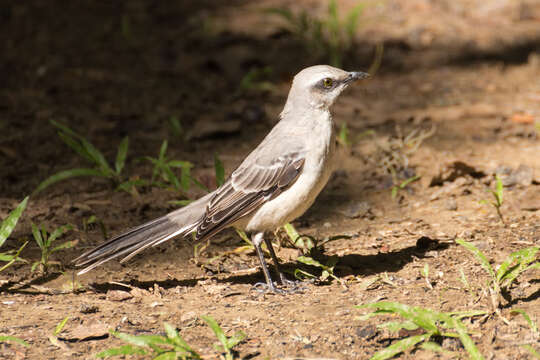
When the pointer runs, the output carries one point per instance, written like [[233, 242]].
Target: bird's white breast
[[317, 169]]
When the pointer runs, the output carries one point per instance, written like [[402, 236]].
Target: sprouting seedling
[[425, 274], [403, 185], [434, 323], [219, 170], [227, 343], [159, 347], [45, 241], [497, 197], [327, 269], [53, 338], [532, 324], [89, 152], [6, 228], [93, 220], [163, 169], [514, 265]]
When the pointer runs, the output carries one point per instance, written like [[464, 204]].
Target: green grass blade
[[12, 258], [527, 318], [9, 223], [217, 330], [59, 231], [310, 261], [122, 350], [97, 157], [220, 171], [466, 340], [75, 146], [532, 351], [169, 355], [163, 150], [60, 326], [65, 129], [395, 326], [522, 258], [484, 262], [141, 340], [291, 232], [351, 21], [400, 346], [37, 236], [67, 174], [234, 340], [121, 155], [66, 245], [498, 190], [6, 338]]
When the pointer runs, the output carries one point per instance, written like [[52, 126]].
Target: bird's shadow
[[350, 264]]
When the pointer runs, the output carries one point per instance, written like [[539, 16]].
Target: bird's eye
[[327, 83]]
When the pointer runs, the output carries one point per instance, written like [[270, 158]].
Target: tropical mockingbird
[[274, 185]]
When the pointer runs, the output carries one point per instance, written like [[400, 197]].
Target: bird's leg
[[257, 240], [282, 278]]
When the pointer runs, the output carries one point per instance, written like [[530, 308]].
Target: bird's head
[[319, 86]]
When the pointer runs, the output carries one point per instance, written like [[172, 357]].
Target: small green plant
[[327, 269], [435, 325], [163, 169], [171, 346], [403, 185], [514, 265], [425, 274], [330, 36], [45, 241], [532, 324], [85, 149], [91, 221], [497, 197], [227, 343], [7, 226], [53, 338], [13, 339]]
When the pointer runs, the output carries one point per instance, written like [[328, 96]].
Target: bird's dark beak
[[356, 75]]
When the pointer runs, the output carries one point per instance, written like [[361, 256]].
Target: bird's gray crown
[[318, 86]]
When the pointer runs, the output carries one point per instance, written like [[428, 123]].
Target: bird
[[275, 184]]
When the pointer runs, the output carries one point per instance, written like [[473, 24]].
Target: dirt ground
[[470, 70]]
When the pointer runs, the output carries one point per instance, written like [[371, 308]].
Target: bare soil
[[111, 70]]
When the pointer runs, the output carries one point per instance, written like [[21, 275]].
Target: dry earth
[[78, 66]]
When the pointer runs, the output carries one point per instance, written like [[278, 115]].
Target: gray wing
[[260, 178]]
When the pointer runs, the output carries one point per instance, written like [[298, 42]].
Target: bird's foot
[[288, 287]]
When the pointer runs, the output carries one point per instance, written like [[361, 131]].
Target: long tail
[[177, 223]]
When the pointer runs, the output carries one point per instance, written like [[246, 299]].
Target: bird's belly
[[294, 201]]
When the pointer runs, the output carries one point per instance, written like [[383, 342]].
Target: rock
[[188, 316], [355, 209], [451, 205], [367, 332], [93, 330], [88, 309], [455, 170], [522, 176], [118, 295]]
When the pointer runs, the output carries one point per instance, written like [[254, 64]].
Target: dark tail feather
[[179, 222], [131, 242]]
